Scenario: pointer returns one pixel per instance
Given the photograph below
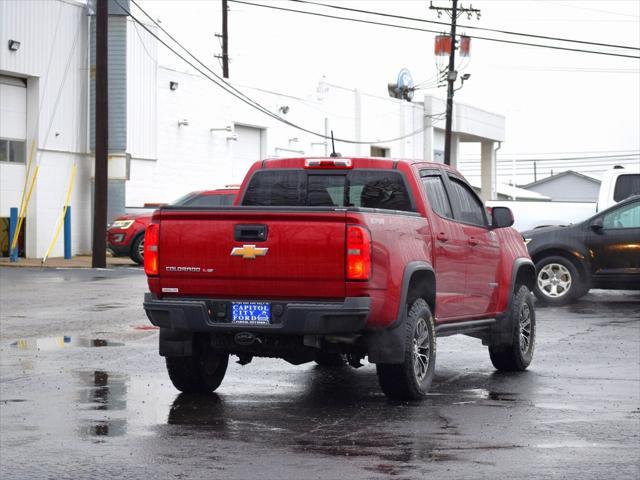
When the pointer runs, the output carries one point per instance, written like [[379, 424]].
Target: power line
[[573, 158], [220, 82], [567, 153], [595, 10], [405, 27], [633, 71], [472, 27]]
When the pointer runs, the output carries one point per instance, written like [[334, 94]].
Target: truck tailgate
[[304, 256]]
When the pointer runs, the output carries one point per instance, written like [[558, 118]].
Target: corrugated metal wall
[[117, 83], [142, 84]]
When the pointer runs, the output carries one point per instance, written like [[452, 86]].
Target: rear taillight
[[151, 238], [358, 253]]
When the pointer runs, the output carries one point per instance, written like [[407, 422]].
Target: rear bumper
[[289, 317]]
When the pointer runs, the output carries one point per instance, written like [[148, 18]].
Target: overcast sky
[[555, 102]]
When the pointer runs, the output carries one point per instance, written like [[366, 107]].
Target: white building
[[172, 132]]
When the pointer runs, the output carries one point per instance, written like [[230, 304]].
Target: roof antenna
[[333, 148]]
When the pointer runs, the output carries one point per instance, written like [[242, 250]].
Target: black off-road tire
[[330, 359], [200, 373], [411, 379], [558, 281], [137, 247], [521, 320]]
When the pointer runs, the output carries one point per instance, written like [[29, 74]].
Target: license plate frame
[[251, 313]]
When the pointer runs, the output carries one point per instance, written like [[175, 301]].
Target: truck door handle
[[442, 237], [253, 233], [473, 241]]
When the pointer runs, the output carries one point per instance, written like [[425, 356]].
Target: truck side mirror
[[597, 225], [501, 217]]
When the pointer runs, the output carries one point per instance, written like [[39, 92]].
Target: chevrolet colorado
[[335, 260]]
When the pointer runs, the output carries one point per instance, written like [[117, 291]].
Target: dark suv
[[601, 252]]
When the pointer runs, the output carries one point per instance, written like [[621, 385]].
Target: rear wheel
[[137, 249], [522, 321], [411, 379], [202, 372], [557, 281]]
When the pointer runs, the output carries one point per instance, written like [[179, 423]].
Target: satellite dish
[[403, 88]]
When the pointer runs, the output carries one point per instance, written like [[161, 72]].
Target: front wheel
[[557, 281], [521, 320], [202, 372], [411, 379]]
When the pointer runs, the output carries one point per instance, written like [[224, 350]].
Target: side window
[[626, 185], [12, 151], [469, 209], [625, 217], [436, 194]]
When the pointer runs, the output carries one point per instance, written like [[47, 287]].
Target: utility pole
[[99, 250], [452, 74], [225, 40]]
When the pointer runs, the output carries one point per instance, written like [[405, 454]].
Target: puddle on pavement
[[477, 395], [104, 393], [622, 322], [58, 343], [502, 397], [336, 413], [335, 431], [592, 308], [103, 307], [110, 428]]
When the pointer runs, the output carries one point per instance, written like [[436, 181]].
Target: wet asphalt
[[84, 394]]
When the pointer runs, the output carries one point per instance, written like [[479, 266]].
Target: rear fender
[[387, 346]]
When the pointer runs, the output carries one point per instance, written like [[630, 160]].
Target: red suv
[[125, 236]]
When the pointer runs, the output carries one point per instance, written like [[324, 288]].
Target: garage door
[[13, 132], [13, 119], [246, 150]]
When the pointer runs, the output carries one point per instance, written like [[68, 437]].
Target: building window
[[12, 151], [380, 152]]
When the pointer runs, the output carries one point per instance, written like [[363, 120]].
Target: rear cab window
[[378, 189]]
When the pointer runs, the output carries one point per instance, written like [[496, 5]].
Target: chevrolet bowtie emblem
[[249, 251]]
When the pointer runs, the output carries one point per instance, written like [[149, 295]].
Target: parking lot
[[83, 393]]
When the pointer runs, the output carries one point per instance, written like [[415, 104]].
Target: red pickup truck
[[333, 260]]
